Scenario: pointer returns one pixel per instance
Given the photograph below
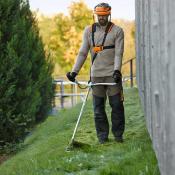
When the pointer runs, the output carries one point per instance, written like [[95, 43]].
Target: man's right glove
[[71, 76], [117, 76]]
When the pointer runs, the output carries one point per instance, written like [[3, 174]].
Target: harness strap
[[102, 47], [108, 29], [93, 31], [109, 47]]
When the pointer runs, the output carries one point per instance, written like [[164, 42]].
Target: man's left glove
[[71, 76], [117, 76]]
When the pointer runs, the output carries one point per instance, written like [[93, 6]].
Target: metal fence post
[[62, 94], [131, 73]]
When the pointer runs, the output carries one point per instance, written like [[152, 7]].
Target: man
[[106, 44]]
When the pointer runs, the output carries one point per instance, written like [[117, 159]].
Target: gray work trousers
[[115, 96]]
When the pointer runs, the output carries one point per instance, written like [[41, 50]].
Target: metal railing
[[131, 76]]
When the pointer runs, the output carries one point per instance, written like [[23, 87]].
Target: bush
[[25, 74]]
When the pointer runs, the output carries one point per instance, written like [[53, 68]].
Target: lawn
[[43, 152]]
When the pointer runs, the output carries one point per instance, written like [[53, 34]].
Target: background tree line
[[62, 36]]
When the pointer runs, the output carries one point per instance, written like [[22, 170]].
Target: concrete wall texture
[[155, 46]]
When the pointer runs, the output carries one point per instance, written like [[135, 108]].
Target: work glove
[[117, 76], [71, 76]]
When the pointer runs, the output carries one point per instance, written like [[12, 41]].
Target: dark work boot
[[117, 117], [100, 117]]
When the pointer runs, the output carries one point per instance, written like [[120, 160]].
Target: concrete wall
[[155, 46]]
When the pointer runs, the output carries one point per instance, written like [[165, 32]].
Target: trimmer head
[[76, 144]]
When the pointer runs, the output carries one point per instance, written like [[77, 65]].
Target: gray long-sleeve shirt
[[107, 60]]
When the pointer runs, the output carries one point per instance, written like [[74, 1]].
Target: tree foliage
[[63, 40], [25, 74]]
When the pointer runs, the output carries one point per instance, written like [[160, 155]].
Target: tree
[[25, 74]]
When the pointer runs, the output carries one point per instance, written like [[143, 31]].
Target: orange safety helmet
[[102, 9]]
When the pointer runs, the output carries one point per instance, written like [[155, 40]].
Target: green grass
[[43, 153]]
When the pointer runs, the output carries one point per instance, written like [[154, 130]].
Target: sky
[[122, 9]]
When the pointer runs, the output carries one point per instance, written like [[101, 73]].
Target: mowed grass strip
[[43, 152]]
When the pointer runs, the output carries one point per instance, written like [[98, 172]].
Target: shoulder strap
[[93, 31], [108, 29]]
